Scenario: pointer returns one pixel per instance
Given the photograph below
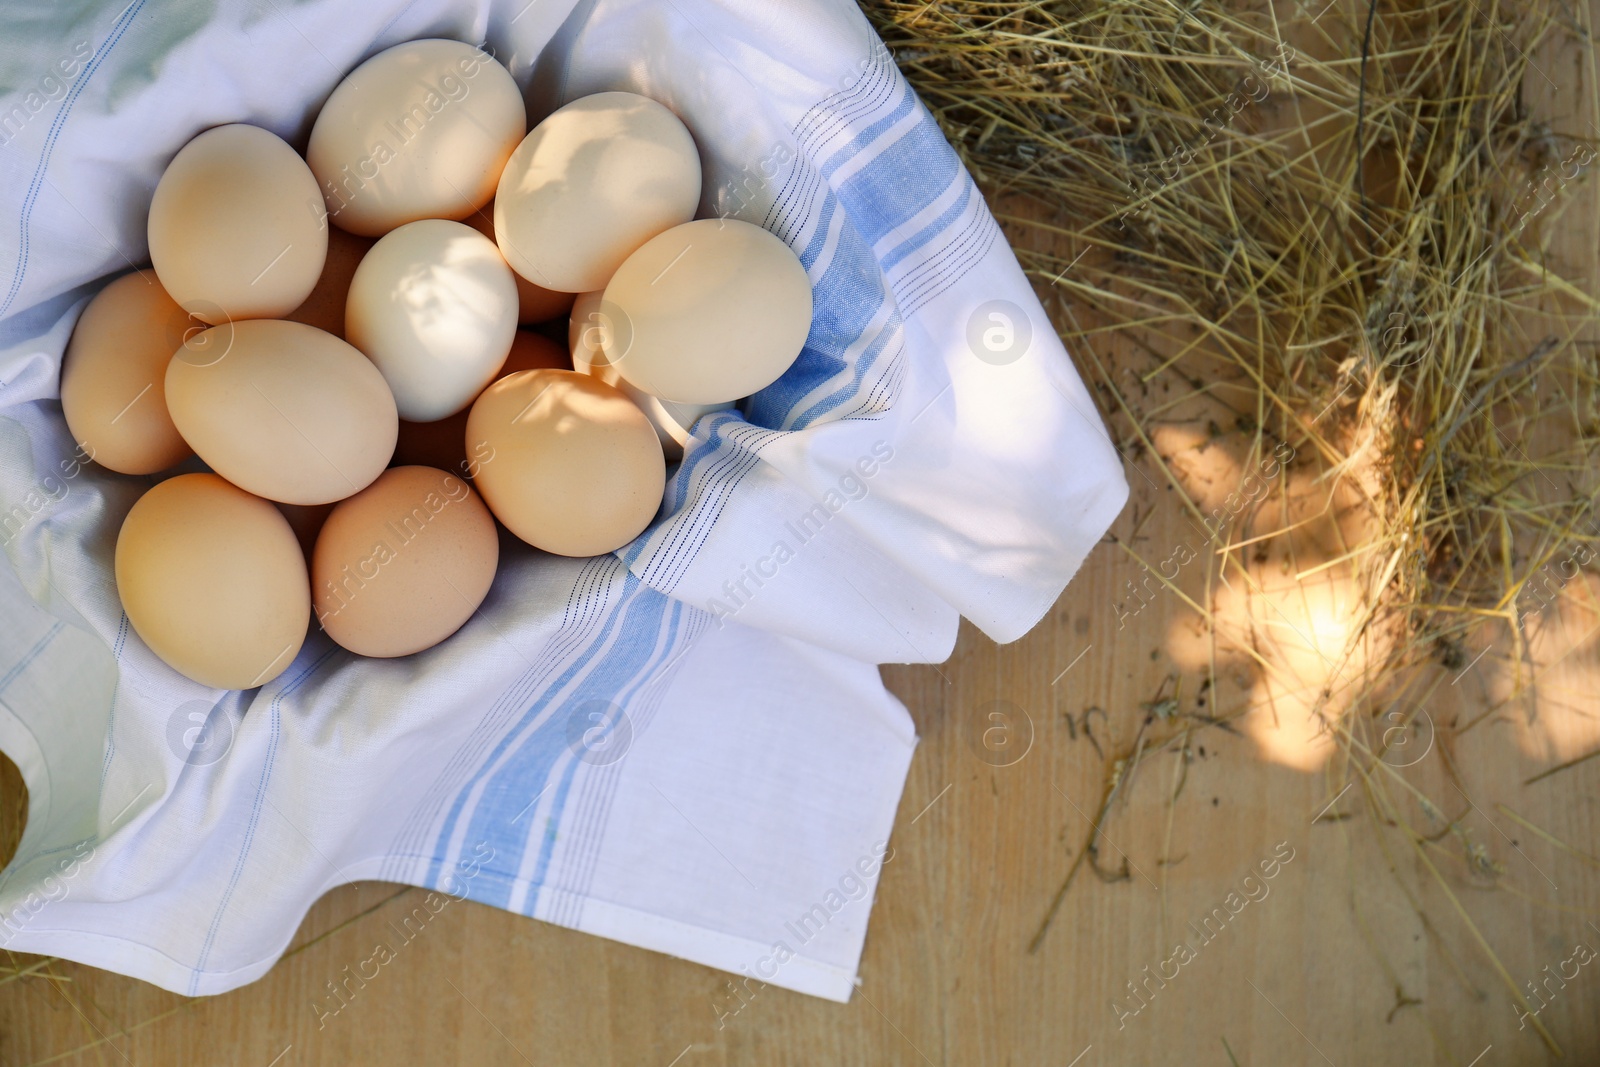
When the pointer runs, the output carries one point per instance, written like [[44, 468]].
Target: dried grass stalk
[[1337, 214]]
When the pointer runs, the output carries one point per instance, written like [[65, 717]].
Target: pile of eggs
[[352, 407]]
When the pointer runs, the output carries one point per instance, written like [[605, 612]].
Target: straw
[[1322, 228], [1325, 227]]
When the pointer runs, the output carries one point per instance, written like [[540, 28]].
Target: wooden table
[[1329, 965], [1352, 953]]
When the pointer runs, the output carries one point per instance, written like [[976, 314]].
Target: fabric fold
[[686, 745]]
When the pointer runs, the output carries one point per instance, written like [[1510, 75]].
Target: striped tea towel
[[684, 745]]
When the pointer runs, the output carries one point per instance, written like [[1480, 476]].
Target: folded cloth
[[684, 745]]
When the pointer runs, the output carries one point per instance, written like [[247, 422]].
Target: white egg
[[434, 306], [421, 130]]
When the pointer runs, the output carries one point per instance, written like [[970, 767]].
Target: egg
[[534, 351], [324, 308], [113, 377], [306, 521], [534, 304], [442, 443], [235, 226], [402, 564], [576, 468], [585, 328], [707, 312], [419, 131], [591, 183], [213, 581], [434, 306], [283, 410], [585, 335]]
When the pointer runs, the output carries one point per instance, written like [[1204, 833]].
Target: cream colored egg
[[419, 131], [235, 226], [402, 564], [708, 312], [534, 304], [283, 410], [434, 306], [576, 468], [586, 333], [591, 183], [212, 579], [113, 377]]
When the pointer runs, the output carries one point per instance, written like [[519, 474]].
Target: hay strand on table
[[1340, 215]]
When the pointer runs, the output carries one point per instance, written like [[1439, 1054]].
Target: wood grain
[[1354, 953]]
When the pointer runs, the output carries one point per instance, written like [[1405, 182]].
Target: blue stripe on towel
[[531, 746], [871, 132], [547, 840], [906, 177], [506, 793], [851, 367], [921, 238]]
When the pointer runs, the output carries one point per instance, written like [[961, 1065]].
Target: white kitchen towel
[[684, 745]]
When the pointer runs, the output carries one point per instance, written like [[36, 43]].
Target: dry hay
[[1183, 174], [1188, 170]]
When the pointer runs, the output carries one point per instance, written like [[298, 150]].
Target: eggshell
[[434, 306], [707, 312], [213, 581], [419, 131], [591, 183], [113, 377], [672, 422], [442, 443], [283, 410], [324, 308], [576, 468], [402, 564], [585, 328], [534, 351], [236, 228], [306, 521], [534, 304]]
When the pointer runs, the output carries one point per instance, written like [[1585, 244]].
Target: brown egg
[[443, 444], [283, 410], [534, 351], [324, 308], [439, 444], [236, 226], [401, 565], [573, 466], [213, 581], [534, 303], [113, 378], [306, 521]]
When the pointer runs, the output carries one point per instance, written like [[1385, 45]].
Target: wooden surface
[[1358, 951], [1331, 965]]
